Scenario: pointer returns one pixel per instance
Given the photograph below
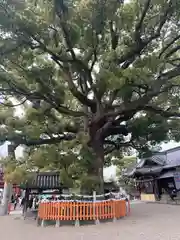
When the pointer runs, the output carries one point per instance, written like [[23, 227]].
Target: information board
[[177, 180]]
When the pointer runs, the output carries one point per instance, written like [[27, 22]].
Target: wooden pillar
[[26, 202], [156, 190]]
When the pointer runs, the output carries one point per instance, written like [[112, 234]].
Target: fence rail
[[82, 210]]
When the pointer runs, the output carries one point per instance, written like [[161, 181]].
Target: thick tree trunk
[[99, 164]]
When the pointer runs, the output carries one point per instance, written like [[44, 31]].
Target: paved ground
[[147, 222]]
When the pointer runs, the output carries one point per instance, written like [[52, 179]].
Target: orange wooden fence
[[82, 210]]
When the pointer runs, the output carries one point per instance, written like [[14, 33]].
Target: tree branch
[[4, 51], [138, 27], [47, 96], [126, 108], [13, 105], [35, 142], [160, 111], [114, 36], [112, 97], [140, 44], [117, 147], [169, 45], [174, 50], [66, 74], [54, 140], [81, 97], [109, 142], [115, 130]]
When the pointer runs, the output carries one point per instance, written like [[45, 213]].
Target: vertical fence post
[[114, 210], [94, 208], [58, 211], [128, 208], [42, 208], [77, 224]]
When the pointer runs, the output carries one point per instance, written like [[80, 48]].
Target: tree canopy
[[103, 75]]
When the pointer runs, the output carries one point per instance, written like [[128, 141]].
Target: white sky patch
[[19, 112]]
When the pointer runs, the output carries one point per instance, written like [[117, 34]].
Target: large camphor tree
[[102, 75]]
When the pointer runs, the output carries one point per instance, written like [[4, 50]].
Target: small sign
[[177, 179], [33, 191], [178, 169]]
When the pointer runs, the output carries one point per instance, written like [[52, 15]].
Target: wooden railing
[[110, 209]]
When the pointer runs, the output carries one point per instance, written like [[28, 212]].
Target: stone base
[[76, 223], [3, 211]]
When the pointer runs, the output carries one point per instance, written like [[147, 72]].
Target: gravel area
[[147, 222]]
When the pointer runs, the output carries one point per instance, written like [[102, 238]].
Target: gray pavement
[[147, 222]]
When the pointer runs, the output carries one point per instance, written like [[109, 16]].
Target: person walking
[[15, 202]]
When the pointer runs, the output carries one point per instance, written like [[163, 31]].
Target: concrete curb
[[164, 203]]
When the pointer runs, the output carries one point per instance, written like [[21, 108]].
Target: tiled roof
[[166, 160], [159, 159], [44, 181]]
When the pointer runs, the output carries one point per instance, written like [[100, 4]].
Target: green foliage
[[15, 172], [125, 162], [89, 183], [123, 165]]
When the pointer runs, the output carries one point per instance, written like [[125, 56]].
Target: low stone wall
[[165, 199]]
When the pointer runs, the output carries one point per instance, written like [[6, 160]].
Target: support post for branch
[[7, 187]]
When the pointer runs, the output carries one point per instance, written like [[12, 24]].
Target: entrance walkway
[[147, 222]]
